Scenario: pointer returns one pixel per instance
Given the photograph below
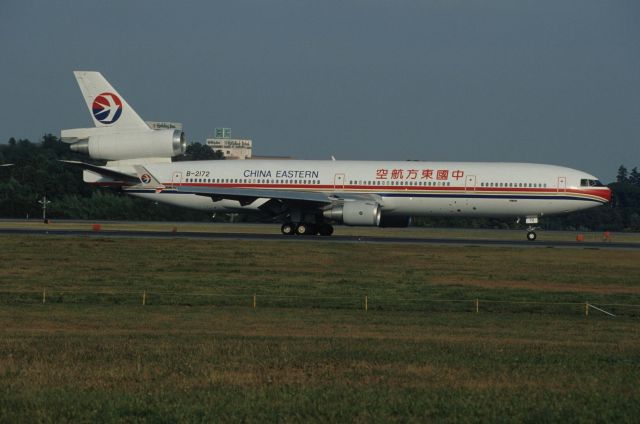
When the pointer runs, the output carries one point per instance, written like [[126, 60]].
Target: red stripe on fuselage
[[603, 194]]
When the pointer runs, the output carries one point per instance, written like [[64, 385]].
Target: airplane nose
[[607, 195]]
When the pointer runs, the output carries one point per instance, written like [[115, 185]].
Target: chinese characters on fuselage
[[414, 174]]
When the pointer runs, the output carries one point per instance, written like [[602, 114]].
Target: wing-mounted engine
[[111, 145], [355, 213]]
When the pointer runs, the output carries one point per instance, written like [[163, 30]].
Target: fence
[[363, 302]]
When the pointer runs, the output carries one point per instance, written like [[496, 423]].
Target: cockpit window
[[590, 183]]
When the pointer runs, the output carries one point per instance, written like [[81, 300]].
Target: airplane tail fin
[[107, 107]]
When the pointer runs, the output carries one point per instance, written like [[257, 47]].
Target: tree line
[[37, 172]]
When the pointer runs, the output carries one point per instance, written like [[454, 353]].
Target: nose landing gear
[[531, 230]]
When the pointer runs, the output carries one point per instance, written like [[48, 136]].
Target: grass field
[[308, 352]]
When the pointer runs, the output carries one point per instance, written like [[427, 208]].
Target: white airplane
[[307, 196]]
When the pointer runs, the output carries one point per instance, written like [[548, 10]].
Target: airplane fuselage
[[405, 188], [308, 196]]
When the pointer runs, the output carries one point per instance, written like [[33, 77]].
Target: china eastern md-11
[[308, 196]]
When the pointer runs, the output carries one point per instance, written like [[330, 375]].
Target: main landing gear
[[306, 229], [531, 234]]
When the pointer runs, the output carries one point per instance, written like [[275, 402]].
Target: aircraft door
[[470, 183], [176, 178], [338, 181], [562, 184]]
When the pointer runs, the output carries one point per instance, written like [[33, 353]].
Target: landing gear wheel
[[326, 230], [287, 228], [302, 229], [531, 235]]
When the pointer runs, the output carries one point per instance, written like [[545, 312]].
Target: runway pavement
[[311, 239]]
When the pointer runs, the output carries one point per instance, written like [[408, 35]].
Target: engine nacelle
[[355, 213], [395, 221], [130, 145]]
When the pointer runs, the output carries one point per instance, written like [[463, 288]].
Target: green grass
[[172, 270], [309, 352], [87, 363]]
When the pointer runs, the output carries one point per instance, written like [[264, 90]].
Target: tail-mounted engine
[[119, 132], [112, 145]]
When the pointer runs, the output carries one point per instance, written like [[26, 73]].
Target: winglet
[[147, 179]]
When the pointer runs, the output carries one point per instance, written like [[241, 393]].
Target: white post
[[44, 203]]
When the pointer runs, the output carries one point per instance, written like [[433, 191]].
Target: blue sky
[[530, 81]]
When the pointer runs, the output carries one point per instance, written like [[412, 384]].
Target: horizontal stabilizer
[[107, 172]]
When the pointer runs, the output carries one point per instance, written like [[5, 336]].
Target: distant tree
[[199, 151], [623, 174], [634, 177]]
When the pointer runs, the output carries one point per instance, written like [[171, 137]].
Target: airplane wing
[[246, 196]]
